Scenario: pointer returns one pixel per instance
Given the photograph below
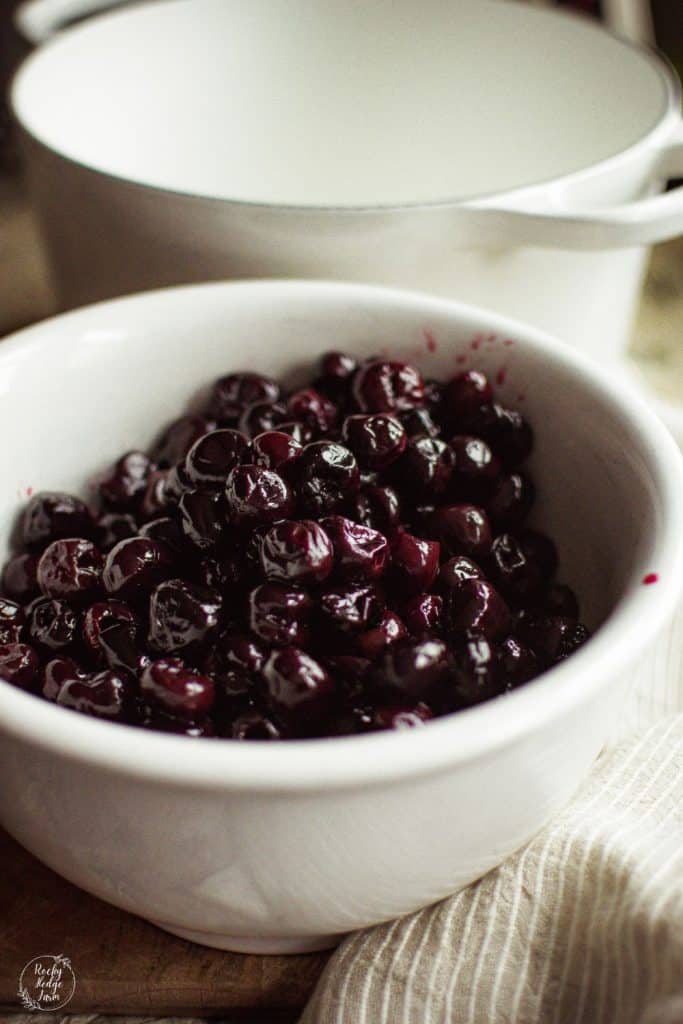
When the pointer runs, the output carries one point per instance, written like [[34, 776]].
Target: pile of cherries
[[347, 557]]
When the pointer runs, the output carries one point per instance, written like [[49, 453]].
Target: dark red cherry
[[232, 394], [426, 467], [297, 552], [560, 600], [519, 577], [134, 567], [415, 668], [108, 695], [510, 500], [350, 607], [517, 662], [56, 673], [235, 662], [125, 482], [274, 449], [402, 716], [423, 614], [71, 569], [181, 615], [328, 477], [476, 607], [20, 665], [279, 614], [477, 672], [385, 386], [260, 417], [540, 549], [300, 432], [337, 368], [312, 407], [456, 570], [213, 456], [476, 467], [154, 500], [176, 441], [52, 515], [418, 423], [298, 688], [166, 530], [359, 552], [176, 689], [176, 483], [509, 434], [376, 440], [203, 518], [377, 507], [20, 578], [113, 527], [100, 617], [12, 620], [256, 496], [52, 625], [414, 563], [462, 529], [464, 396], [253, 725], [553, 637], [373, 642]]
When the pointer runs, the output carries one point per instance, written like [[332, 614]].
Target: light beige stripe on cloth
[[585, 926]]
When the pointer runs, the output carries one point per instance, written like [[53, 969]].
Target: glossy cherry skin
[[181, 615], [314, 408], [98, 619], [12, 621], [52, 625], [372, 643], [169, 684], [477, 672], [519, 577], [235, 662], [20, 665], [296, 552], [350, 608], [360, 553], [476, 468], [377, 506], [52, 515], [423, 614], [20, 578], [376, 440], [232, 394], [426, 467], [113, 527], [166, 530], [462, 529], [401, 716], [509, 434], [298, 688], [517, 663], [275, 450], [456, 570], [476, 607], [300, 432], [108, 695], [328, 477], [254, 496], [279, 614], [510, 500], [203, 518], [418, 423], [134, 567], [178, 438], [71, 570], [553, 637], [464, 396], [260, 417], [386, 386], [213, 456], [415, 668], [154, 500], [414, 563], [56, 673], [253, 725], [337, 370], [126, 481]]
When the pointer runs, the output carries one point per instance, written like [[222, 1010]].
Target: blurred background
[[25, 294]]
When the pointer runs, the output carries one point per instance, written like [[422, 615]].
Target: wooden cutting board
[[122, 964]]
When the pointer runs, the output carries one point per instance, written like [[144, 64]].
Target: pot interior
[[340, 103]]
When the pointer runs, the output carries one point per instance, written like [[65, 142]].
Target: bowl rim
[[377, 758], [657, 134]]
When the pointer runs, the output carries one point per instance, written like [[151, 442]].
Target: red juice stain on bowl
[[461, 359], [430, 341], [501, 375], [508, 341], [651, 577]]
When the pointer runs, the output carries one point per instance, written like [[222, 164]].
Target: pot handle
[[640, 222], [38, 20]]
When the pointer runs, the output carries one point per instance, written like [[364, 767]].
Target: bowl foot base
[[273, 946]]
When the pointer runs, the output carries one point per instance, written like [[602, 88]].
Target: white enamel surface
[[283, 847], [338, 103]]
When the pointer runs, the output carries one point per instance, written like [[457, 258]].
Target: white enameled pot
[[493, 152], [280, 847]]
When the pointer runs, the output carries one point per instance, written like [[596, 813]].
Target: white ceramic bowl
[[284, 847]]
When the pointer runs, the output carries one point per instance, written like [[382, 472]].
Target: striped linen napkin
[[584, 926]]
